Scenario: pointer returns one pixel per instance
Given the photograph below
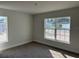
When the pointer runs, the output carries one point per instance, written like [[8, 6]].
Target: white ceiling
[[34, 7]]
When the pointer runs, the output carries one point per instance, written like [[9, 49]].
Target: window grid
[[58, 34]]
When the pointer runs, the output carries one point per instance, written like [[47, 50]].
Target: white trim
[[17, 44]]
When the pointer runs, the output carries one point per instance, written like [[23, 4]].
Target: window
[[57, 29], [3, 29]]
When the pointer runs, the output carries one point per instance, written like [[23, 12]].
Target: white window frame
[[63, 41]]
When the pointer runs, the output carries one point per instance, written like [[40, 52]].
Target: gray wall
[[38, 31], [19, 28]]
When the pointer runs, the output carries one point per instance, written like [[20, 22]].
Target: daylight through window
[[57, 29], [3, 29]]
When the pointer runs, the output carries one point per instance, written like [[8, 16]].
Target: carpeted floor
[[36, 50]]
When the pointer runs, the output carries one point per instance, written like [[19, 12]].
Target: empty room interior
[[39, 29]]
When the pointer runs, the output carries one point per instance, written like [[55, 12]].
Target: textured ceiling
[[34, 7]]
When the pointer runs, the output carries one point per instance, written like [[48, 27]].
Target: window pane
[[49, 23], [49, 28], [3, 29], [63, 23], [63, 29], [49, 34]]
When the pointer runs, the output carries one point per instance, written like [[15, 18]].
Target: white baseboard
[[70, 49], [14, 45]]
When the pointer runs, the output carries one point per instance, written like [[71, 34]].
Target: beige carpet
[[36, 50]]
